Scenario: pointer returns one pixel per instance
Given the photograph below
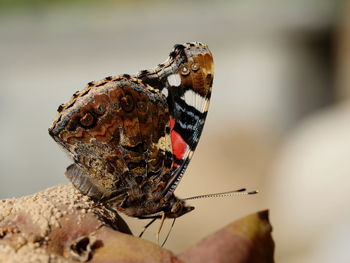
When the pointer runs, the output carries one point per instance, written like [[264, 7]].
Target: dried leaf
[[246, 240], [60, 225]]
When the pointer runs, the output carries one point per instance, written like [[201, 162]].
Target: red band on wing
[[179, 145]]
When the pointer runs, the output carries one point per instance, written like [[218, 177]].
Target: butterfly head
[[178, 208]]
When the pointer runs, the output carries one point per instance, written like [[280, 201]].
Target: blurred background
[[279, 119]]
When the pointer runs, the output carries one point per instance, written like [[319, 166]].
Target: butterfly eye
[[100, 109], [185, 71], [87, 120], [195, 67]]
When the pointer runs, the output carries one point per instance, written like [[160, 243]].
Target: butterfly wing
[[117, 131], [185, 79]]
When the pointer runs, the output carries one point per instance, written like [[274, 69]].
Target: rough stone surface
[[44, 226]]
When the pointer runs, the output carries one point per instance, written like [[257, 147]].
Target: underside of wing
[[185, 79]]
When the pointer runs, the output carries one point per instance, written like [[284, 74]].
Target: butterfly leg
[[162, 219], [146, 226], [166, 238]]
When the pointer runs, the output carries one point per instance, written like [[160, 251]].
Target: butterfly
[[132, 137]]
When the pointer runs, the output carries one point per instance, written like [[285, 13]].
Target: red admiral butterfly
[[132, 137]]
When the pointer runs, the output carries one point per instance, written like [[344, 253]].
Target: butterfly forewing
[[185, 79]]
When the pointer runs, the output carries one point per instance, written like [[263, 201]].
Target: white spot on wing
[[195, 100], [165, 92], [174, 80], [164, 143]]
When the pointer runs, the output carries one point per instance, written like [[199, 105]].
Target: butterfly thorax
[[150, 207]]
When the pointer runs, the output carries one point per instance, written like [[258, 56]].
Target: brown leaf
[[61, 225], [246, 240], [118, 247]]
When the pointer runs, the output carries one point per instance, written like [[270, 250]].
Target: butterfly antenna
[[242, 191]]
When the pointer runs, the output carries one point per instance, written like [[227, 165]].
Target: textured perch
[[61, 225]]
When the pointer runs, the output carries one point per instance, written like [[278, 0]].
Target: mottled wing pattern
[[117, 131], [185, 79]]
